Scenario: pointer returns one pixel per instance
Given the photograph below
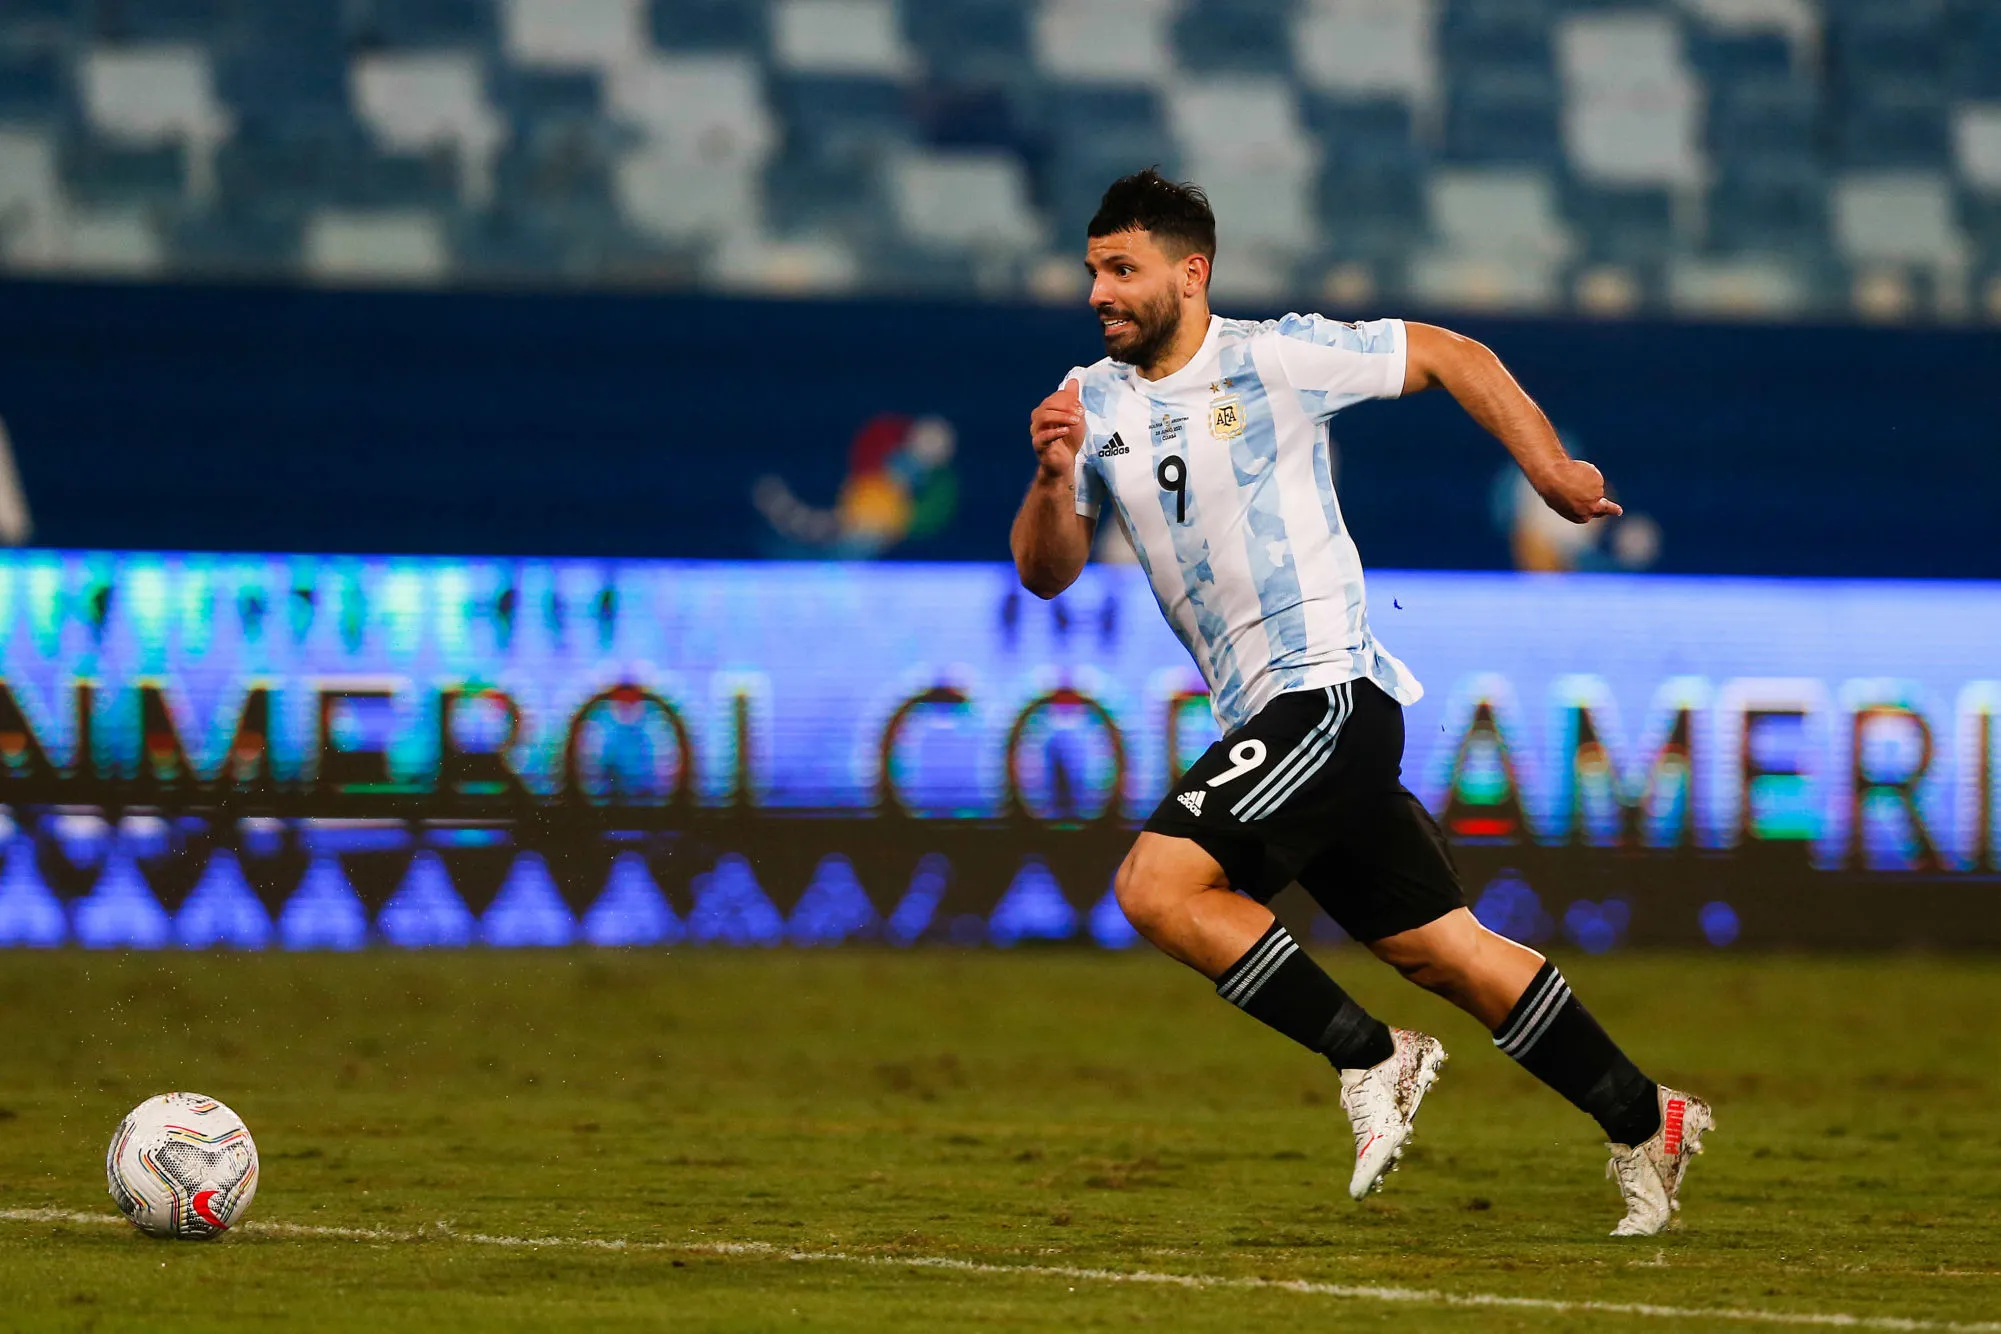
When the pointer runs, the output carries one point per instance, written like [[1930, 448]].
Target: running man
[[1207, 439]]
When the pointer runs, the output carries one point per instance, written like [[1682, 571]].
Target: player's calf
[[1652, 1131], [1177, 895], [1385, 1072], [1455, 957], [1279, 984], [1556, 1039]]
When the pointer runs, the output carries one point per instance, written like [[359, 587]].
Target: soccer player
[[1207, 439]]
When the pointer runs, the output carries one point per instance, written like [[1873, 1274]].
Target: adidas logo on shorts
[[1192, 800]]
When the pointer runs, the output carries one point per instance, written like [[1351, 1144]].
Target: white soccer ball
[[182, 1165]]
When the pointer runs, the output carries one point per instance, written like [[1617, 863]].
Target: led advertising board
[[1600, 740]]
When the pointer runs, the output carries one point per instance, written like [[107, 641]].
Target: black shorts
[[1311, 790]]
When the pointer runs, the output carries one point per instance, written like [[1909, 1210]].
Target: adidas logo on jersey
[[1113, 446], [1192, 800]]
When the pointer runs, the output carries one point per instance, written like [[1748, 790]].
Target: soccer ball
[[182, 1165]]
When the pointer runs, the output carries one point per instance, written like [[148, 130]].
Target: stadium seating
[[1702, 157]]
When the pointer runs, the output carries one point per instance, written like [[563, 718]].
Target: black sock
[[1555, 1038], [1278, 983]]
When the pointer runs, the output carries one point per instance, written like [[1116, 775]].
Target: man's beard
[[1153, 329]]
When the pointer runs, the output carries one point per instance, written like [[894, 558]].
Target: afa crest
[[1226, 418]]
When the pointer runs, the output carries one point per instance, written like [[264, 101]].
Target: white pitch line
[[1204, 1282]]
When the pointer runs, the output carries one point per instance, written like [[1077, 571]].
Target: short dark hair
[[1177, 216]]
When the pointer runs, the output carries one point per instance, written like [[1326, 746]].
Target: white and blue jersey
[[1221, 478]]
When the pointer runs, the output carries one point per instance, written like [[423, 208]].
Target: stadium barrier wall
[[323, 751], [597, 424]]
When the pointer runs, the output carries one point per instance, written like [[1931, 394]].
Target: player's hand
[[1576, 490], [1056, 428]]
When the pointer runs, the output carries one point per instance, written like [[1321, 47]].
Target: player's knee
[[1130, 887], [1145, 895]]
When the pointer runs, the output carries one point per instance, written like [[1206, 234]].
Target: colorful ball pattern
[[182, 1166]]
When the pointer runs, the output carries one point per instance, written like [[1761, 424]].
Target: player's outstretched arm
[[1051, 540], [1475, 376]]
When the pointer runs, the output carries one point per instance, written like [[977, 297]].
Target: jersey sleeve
[[1334, 364], [1090, 486], [1089, 482]]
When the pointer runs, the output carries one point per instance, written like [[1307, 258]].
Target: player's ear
[[1195, 274]]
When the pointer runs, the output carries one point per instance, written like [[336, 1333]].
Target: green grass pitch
[[1038, 1112]]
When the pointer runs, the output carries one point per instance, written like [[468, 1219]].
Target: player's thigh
[[1387, 871]]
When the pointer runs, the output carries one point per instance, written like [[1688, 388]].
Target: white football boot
[[1382, 1101], [1649, 1175]]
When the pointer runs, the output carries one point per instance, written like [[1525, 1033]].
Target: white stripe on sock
[[1539, 1022], [1264, 972], [1528, 1041], [1512, 1029], [1249, 964]]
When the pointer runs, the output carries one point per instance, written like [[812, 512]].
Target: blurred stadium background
[[438, 325], [1778, 158]]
